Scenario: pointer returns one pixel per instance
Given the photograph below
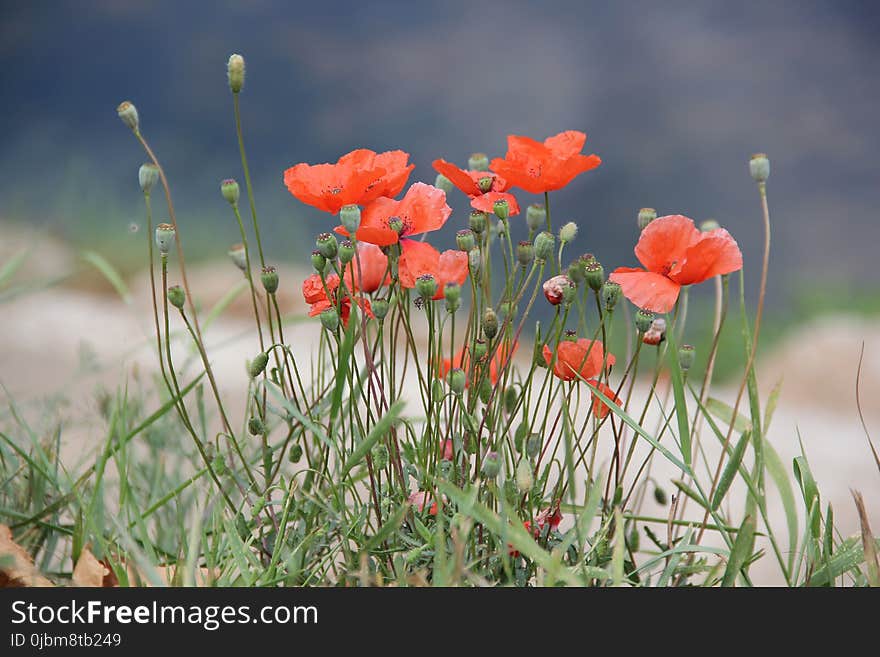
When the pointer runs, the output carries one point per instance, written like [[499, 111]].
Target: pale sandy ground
[[74, 342]]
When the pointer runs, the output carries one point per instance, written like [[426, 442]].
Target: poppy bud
[[319, 262], [569, 335], [380, 308], [256, 426], [478, 162], [610, 294], [507, 310], [485, 390], [525, 253], [237, 255], [524, 476], [465, 240], [510, 398], [452, 294], [327, 245], [656, 333], [485, 184], [129, 114], [686, 355], [660, 496], [501, 208], [436, 391], [350, 218], [258, 364], [426, 286], [444, 183], [148, 176], [176, 296], [480, 349], [380, 456], [490, 323], [519, 436], [594, 274], [235, 73], [553, 288], [501, 228], [643, 320], [568, 232], [296, 453], [709, 225], [330, 319], [536, 216], [396, 224], [544, 244], [456, 380], [346, 252], [475, 262], [491, 465], [478, 221], [646, 216], [164, 238], [533, 445], [569, 291], [269, 277], [759, 167], [230, 191]]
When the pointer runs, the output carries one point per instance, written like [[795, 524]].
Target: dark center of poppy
[[399, 225], [668, 267]]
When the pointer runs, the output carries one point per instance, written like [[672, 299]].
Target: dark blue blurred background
[[674, 96]]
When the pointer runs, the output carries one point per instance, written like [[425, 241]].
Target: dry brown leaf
[[16, 565], [91, 572], [871, 560]]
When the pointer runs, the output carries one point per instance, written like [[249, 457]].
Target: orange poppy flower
[[503, 355], [482, 198], [599, 408], [356, 178], [420, 258], [368, 271], [422, 209], [581, 359], [315, 295], [675, 253], [539, 167]]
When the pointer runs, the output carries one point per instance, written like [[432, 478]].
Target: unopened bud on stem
[[129, 114], [235, 72]]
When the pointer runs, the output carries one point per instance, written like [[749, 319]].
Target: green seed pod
[[237, 255], [646, 216], [296, 453], [256, 426], [465, 239], [709, 225], [478, 221], [330, 319], [380, 308], [456, 379], [536, 216], [230, 191], [511, 396], [525, 253], [490, 323], [594, 274], [491, 465], [346, 252], [759, 167], [485, 390], [426, 286], [380, 456], [350, 218], [478, 162], [568, 232], [544, 245], [452, 294], [686, 356], [501, 208], [235, 73], [643, 320], [258, 365], [319, 262], [129, 114], [485, 184], [569, 335], [533, 445], [480, 349], [444, 183], [396, 224], [524, 476], [269, 278], [164, 238], [176, 296], [660, 496], [327, 245], [148, 176], [610, 294]]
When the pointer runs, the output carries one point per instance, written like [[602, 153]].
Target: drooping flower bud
[[525, 253], [478, 221], [380, 308], [594, 275], [258, 364], [269, 277], [485, 390], [569, 292], [465, 239], [610, 294], [533, 445], [237, 255], [327, 245], [148, 176], [511, 395], [490, 323], [643, 320], [350, 218], [656, 333], [452, 294], [686, 356], [491, 465], [330, 319], [501, 208], [475, 262], [256, 426], [456, 380], [129, 114], [485, 184], [346, 252], [553, 288], [230, 191], [507, 310], [660, 496], [319, 262], [524, 476], [176, 296], [759, 167], [164, 238], [444, 183], [480, 349], [478, 162], [426, 286], [296, 453], [235, 73], [536, 216], [709, 225], [568, 232], [437, 392], [544, 244], [646, 216]]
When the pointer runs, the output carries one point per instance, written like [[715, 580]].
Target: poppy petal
[[486, 202], [458, 177], [452, 267], [423, 209], [665, 241], [416, 259], [646, 289], [566, 144], [715, 254]]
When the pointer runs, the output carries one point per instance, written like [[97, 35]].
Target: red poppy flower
[[448, 450], [356, 178], [675, 253], [581, 359], [422, 209], [420, 499], [599, 408], [503, 355], [539, 167], [315, 295], [486, 202], [369, 270], [549, 517], [483, 195], [553, 288], [420, 258]]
